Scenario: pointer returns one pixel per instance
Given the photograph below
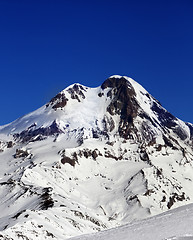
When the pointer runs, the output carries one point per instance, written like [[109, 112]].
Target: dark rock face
[[20, 153], [31, 134], [10, 144], [77, 92], [89, 153], [59, 101], [72, 160], [114, 82], [4, 144], [168, 120], [123, 103], [165, 118], [46, 199], [175, 198], [65, 159], [180, 132]]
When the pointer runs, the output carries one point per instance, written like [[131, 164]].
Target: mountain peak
[[114, 81], [120, 105]]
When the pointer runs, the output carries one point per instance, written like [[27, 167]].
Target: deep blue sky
[[47, 45]]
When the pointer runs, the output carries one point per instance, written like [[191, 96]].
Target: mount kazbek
[[92, 159]]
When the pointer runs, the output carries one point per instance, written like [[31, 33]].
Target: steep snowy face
[[91, 159], [141, 116]]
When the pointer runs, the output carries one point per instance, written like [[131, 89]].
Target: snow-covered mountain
[[92, 159], [172, 225]]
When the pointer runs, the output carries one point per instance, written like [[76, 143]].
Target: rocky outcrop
[[4, 145], [59, 101], [20, 153], [123, 103], [33, 134], [77, 92]]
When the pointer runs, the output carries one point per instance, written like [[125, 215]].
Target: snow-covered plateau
[[92, 159]]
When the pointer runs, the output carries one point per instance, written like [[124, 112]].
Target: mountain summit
[[92, 159]]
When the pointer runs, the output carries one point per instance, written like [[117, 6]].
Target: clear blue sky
[[47, 45]]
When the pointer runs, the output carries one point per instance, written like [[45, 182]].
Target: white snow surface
[[172, 225], [77, 114]]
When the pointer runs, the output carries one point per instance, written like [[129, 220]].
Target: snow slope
[[172, 225]]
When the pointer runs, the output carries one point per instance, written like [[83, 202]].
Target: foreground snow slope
[[173, 225], [92, 159]]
